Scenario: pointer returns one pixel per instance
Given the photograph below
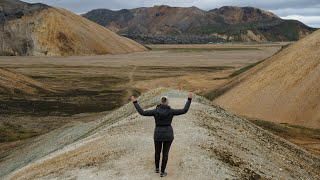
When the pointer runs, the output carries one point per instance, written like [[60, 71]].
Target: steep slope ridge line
[[210, 143], [43, 30], [282, 89]]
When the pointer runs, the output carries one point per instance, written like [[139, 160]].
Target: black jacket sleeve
[[141, 111], [177, 112]]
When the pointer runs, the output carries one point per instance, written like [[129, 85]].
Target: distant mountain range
[[247, 24]]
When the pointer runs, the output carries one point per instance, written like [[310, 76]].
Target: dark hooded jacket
[[163, 115]]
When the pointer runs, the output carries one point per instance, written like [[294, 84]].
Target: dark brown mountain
[[229, 23], [38, 29], [234, 15]]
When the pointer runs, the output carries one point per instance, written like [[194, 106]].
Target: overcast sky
[[306, 11]]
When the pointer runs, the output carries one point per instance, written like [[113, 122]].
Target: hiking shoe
[[163, 174], [157, 170]]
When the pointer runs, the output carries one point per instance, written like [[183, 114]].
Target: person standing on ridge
[[163, 132]]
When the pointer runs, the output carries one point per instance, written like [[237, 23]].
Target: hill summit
[[38, 29], [233, 14]]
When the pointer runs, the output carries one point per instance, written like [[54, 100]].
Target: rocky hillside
[[246, 24], [210, 143], [284, 88], [235, 15], [38, 29]]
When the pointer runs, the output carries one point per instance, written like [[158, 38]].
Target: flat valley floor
[[90, 87]]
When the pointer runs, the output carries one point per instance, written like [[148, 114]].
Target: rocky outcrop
[[14, 9]]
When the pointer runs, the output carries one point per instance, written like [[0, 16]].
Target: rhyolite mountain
[[284, 88], [38, 29], [246, 24]]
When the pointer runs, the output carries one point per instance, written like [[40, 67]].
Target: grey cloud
[[313, 21], [302, 12]]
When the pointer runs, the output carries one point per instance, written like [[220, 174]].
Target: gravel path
[[210, 143]]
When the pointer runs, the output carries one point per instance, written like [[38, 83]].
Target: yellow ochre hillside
[[284, 89], [38, 29]]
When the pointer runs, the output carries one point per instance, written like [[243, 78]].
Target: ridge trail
[[210, 143]]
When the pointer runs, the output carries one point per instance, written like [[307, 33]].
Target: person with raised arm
[[163, 132]]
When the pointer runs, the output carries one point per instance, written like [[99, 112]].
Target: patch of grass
[[288, 130], [276, 128], [235, 29], [7, 54], [307, 138], [185, 68], [178, 50], [289, 29], [227, 157], [244, 69], [64, 104], [220, 91], [10, 132], [149, 48], [155, 72]]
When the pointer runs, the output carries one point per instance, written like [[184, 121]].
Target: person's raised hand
[[133, 99], [190, 95]]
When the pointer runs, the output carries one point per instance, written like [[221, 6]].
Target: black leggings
[[165, 153]]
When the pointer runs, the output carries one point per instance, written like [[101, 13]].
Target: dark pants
[[165, 146]]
